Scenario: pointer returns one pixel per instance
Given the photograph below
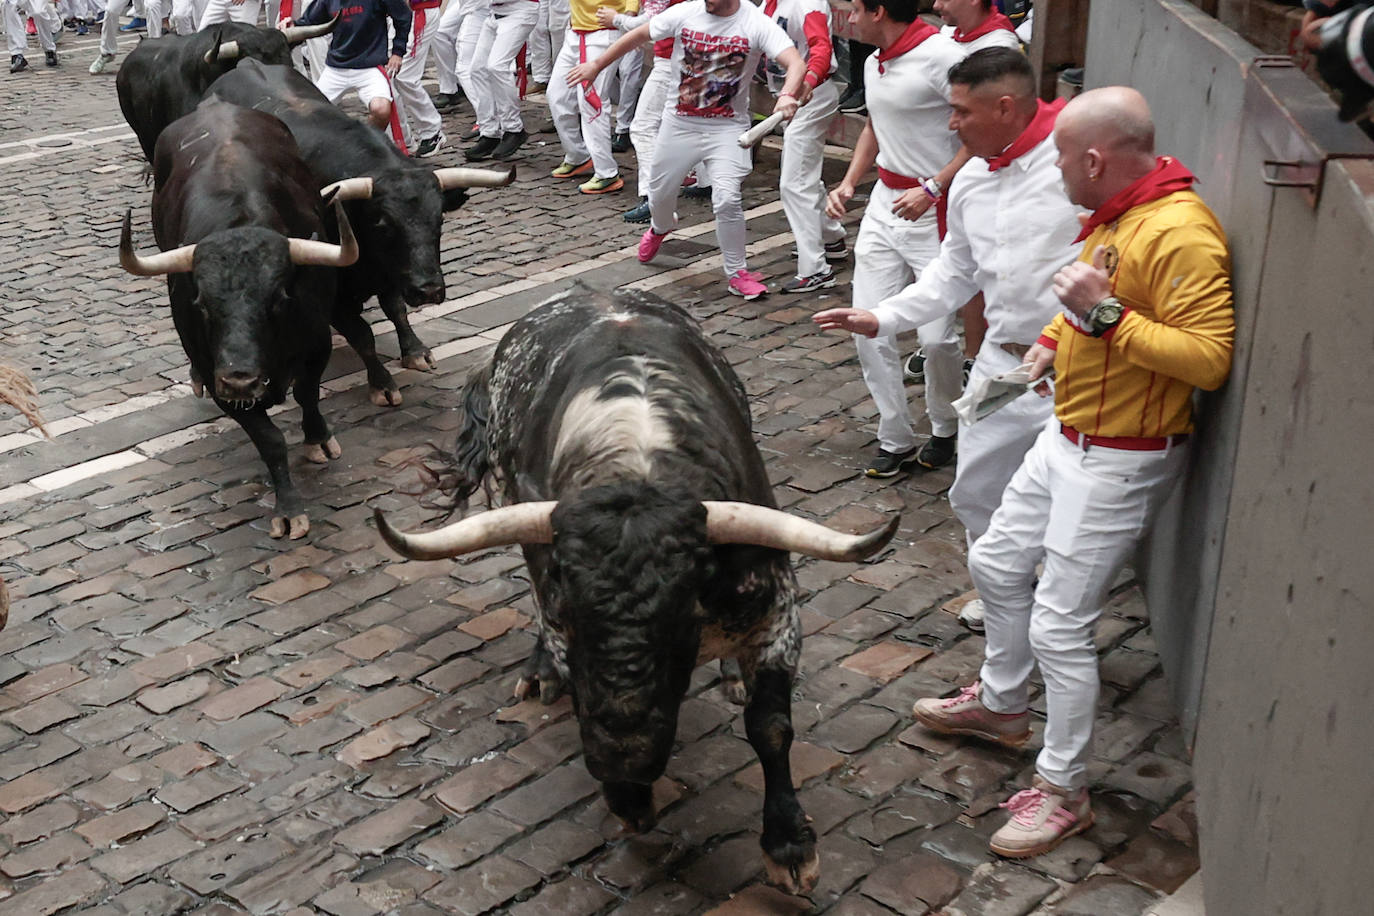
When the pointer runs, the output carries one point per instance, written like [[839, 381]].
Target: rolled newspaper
[[986, 395], [760, 130]]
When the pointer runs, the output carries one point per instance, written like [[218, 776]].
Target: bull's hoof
[[539, 677], [798, 877], [424, 360], [632, 803], [733, 685], [294, 528], [197, 387], [385, 397], [321, 452]]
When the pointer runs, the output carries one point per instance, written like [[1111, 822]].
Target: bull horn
[[308, 252], [298, 33], [522, 523], [746, 523], [450, 178], [226, 50], [178, 260], [349, 189]]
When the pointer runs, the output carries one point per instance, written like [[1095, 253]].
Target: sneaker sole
[[935, 467], [583, 169], [747, 298], [614, 186], [1048, 845], [935, 725], [810, 289]]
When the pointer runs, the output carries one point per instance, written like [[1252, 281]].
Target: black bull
[[623, 444], [396, 206], [165, 78], [237, 214]]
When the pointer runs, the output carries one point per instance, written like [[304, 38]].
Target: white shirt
[[997, 38], [908, 106], [1009, 231], [791, 17], [714, 59]]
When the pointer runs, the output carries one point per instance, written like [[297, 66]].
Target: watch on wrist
[[1104, 316]]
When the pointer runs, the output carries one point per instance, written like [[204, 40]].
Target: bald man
[[1146, 318]]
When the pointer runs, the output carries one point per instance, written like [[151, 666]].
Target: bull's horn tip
[[510, 175], [878, 538]]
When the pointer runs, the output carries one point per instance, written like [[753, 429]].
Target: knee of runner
[[1054, 635]]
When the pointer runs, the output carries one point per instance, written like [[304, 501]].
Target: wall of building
[[1263, 570]]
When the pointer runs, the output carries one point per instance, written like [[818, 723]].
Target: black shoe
[[914, 369], [889, 464], [443, 101], [17, 63], [853, 102], [428, 147], [696, 192], [968, 371], [475, 133], [823, 280], [482, 149], [50, 58], [835, 252], [620, 142], [640, 214], [510, 142], [937, 452]]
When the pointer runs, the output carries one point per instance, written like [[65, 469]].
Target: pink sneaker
[[1042, 817], [649, 244], [745, 284], [752, 275], [965, 714]]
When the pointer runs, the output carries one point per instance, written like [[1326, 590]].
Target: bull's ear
[[454, 198]]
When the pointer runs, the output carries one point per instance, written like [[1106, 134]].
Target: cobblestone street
[[195, 718]]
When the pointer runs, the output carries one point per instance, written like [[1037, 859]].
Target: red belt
[[903, 183], [1126, 443]]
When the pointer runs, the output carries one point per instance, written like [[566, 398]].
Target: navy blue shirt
[[359, 40]]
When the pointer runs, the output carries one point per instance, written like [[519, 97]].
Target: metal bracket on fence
[[1297, 124]]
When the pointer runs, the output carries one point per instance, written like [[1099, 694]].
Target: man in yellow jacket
[[1147, 318]]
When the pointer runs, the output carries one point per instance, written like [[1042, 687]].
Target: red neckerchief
[[991, 24], [1168, 176], [915, 33], [1037, 130], [770, 8]]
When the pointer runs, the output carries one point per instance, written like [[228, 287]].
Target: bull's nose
[[238, 384], [426, 295]]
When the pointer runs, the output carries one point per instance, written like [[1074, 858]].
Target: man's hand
[[393, 65], [787, 106], [913, 204], [1040, 358], [1081, 286], [606, 17], [583, 73], [855, 321], [284, 24], [836, 199], [804, 93]]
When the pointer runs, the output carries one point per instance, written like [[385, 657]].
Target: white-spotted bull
[[165, 78], [238, 218], [622, 442], [396, 204]]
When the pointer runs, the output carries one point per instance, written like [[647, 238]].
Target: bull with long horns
[[239, 221], [622, 442]]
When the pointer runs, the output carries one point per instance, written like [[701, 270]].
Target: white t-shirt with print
[[714, 59]]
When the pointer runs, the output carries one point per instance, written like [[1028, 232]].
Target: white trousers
[[493, 68], [680, 146], [539, 47], [991, 450], [185, 15], [369, 82], [225, 11], [1081, 513], [455, 43], [890, 254], [414, 108], [653, 95], [627, 73], [799, 179], [584, 132], [109, 29], [45, 21]]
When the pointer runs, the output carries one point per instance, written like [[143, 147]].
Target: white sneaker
[[971, 615], [98, 65]]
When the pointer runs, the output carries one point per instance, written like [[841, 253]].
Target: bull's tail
[[471, 458]]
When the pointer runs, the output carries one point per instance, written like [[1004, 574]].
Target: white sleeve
[[945, 284], [666, 24]]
